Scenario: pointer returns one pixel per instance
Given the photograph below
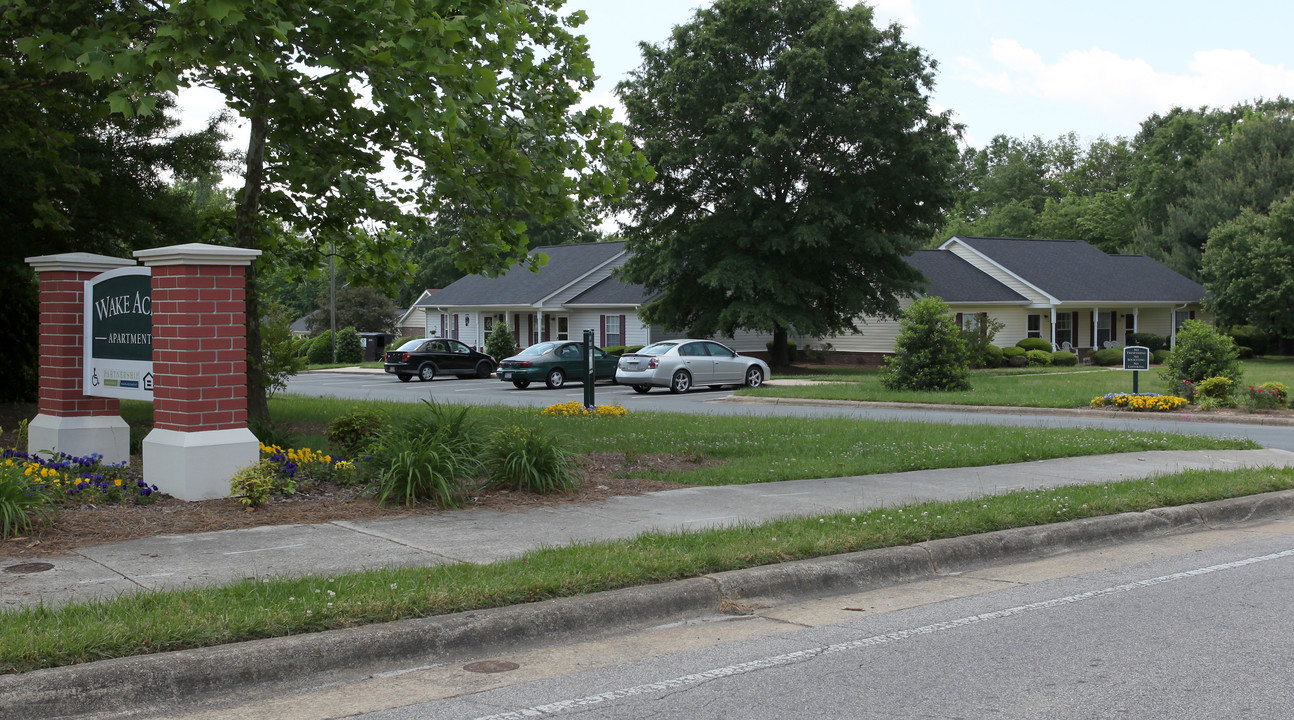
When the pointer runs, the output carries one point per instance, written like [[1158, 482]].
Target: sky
[[1021, 68]]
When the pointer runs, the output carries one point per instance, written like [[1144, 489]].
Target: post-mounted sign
[[119, 335]]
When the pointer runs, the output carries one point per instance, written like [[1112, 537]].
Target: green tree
[[349, 349], [364, 308], [1248, 270], [798, 163], [76, 179], [930, 352], [279, 355], [1201, 352], [473, 106], [499, 343]]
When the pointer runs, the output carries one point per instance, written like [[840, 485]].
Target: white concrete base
[[197, 465], [79, 436]]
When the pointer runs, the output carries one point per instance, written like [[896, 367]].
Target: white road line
[[281, 547], [802, 655]]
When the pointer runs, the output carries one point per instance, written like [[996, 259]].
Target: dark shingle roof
[[520, 286], [1074, 271], [955, 280], [611, 291]]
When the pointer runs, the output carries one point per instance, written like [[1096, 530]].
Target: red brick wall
[[199, 347], [61, 347]]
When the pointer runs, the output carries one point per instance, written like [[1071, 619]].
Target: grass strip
[[1011, 387], [160, 621], [738, 450]]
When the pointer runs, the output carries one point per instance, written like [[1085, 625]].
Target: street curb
[[1013, 410], [151, 683]]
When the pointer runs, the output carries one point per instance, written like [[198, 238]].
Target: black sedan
[[426, 358], [554, 363]]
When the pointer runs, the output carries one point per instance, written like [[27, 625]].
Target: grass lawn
[[1015, 387], [749, 449], [134, 624]]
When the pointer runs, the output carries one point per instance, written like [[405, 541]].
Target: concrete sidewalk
[[483, 536]]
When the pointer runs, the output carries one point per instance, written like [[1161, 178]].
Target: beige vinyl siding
[[553, 304], [875, 334], [1014, 319]]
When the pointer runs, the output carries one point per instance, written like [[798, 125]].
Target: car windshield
[[537, 349], [657, 349], [411, 345]]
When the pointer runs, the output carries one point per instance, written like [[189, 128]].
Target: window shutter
[[602, 331], [548, 321], [983, 324], [516, 329], [624, 334], [1073, 329], [959, 321], [455, 326]]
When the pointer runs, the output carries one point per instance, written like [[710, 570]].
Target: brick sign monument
[[96, 329]]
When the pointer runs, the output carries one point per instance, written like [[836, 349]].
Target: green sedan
[[554, 363]]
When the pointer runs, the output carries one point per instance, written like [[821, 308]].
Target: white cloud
[[1126, 90]]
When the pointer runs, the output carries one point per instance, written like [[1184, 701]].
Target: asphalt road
[[373, 386], [1198, 635]]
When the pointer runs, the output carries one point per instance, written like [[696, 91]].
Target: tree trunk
[[779, 355], [246, 230]]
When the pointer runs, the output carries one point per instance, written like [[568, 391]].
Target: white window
[[563, 328], [1035, 326], [614, 338]]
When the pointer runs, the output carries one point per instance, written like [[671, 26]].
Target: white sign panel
[[119, 335]]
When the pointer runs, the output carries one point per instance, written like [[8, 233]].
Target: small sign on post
[[1136, 358]]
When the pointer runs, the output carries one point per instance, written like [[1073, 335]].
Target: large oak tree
[[367, 114], [798, 162]]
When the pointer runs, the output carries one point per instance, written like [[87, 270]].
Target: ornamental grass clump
[[522, 458], [1139, 402], [429, 458]]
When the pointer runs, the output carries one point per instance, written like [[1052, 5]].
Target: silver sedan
[[682, 364]]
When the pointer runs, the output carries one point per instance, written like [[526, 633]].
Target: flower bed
[[575, 409], [1140, 402]]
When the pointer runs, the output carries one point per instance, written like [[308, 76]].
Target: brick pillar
[[68, 421], [200, 435]]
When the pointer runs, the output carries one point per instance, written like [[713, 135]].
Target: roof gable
[[567, 264], [1074, 271], [956, 281]]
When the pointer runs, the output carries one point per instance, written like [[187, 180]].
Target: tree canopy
[[798, 162], [367, 117], [1248, 264]]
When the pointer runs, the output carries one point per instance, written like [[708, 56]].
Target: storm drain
[[28, 568], [491, 666]]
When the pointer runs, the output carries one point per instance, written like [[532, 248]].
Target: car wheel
[[404, 378], [556, 379], [681, 382], [642, 389], [427, 373], [521, 384], [754, 377], [483, 370]]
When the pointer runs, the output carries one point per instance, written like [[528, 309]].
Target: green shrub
[[1108, 356], [1034, 344], [1202, 352], [930, 351], [1013, 351], [521, 458], [1161, 356], [499, 344], [1266, 396], [1215, 388], [1244, 353], [349, 349], [1017, 361], [979, 339], [1037, 358], [993, 356], [23, 508], [633, 348], [254, 484], [1251, 337], [1064, 358], [792, 350], [351, 433], [269, 432], [615, 350], [321, 349], [1150, 341]]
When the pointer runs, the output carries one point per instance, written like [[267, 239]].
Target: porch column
[[1096, 328], [1053, 327], [67, 420]]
